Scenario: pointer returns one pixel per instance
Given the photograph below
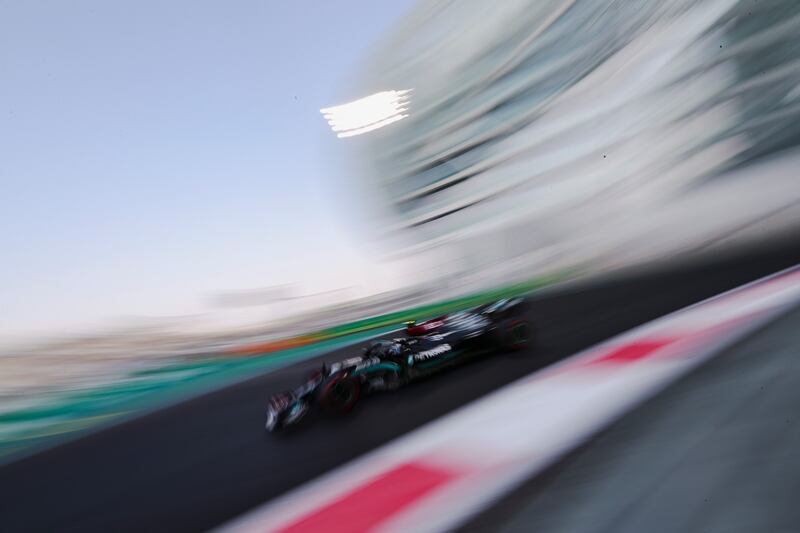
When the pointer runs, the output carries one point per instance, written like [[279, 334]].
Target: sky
[[154, 154]]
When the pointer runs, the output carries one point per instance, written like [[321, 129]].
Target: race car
[[390, 364]]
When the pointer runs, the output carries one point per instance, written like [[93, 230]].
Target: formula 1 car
[[390, 364]]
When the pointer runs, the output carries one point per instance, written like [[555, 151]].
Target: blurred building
[[542, 130]]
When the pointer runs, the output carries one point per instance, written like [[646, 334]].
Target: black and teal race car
[[389, 364]]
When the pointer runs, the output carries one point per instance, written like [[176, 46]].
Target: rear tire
[[339, 394], [516, 334]]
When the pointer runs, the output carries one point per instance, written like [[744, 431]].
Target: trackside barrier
[[438, 476]]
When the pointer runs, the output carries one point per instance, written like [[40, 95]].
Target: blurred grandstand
[[543, 134]]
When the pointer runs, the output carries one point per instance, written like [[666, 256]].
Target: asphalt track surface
[[718, 450], [197, 464]]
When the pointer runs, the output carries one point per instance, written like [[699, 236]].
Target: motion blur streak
[[555, 133], [502, 143]]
